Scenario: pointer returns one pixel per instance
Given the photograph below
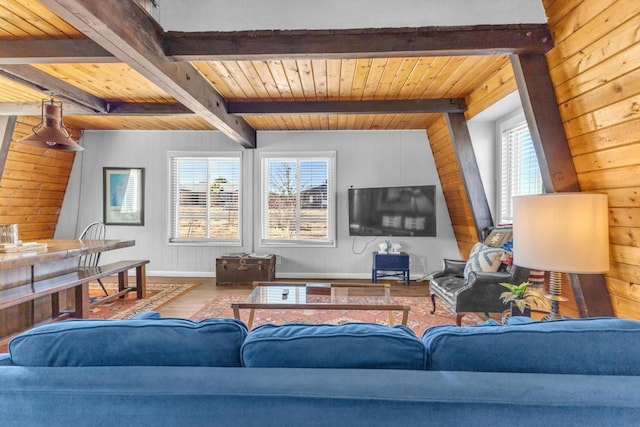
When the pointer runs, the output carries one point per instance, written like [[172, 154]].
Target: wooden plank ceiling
[[266, 80]]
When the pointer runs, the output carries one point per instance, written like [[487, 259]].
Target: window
[[298, 199], [519, 170], [205, 198]]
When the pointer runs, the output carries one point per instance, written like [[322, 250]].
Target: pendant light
[[50, 133]]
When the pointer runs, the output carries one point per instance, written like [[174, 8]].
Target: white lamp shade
[[561, 232]]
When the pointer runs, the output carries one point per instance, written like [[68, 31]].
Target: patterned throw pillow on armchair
[[483, 258]]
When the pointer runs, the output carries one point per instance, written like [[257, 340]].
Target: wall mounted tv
[[392, 211]]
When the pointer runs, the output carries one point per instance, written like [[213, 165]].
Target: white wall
[[483, 139], [363, 159], [239, 15]]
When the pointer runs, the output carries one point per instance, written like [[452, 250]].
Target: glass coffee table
[[319, 296]]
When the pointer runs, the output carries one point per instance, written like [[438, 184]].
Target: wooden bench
[[79, 280]]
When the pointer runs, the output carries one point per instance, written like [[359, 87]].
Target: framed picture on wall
[[123, 196]]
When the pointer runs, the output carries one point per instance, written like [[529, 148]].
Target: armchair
[[466, 288]]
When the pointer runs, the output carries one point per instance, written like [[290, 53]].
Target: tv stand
[[390, 265]]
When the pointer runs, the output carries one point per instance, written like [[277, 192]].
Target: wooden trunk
[[232, 270]]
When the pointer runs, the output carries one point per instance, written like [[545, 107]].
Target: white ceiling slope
[[241, 15]]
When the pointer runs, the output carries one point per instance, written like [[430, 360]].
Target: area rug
[[157, 295], [420, 317]]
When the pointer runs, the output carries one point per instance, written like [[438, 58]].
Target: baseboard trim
[[323, 276]]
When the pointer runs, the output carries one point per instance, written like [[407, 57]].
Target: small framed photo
[[123, 196]]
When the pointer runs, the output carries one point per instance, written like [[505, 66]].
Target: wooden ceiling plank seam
[[333, 79], [319, 69], [488, 66], [406, 66], [280, 77], [133, 36], [250, 72], [223, 73], [413, 78], [290, 67], [15, 30], [42, 12], [444, 75], [429, 68], [41, 27], [460, 76], [389, 73], [376, 71], [263, 71], [207, 70], [238, 75], [347, 75], [361, 74], [305, 71]]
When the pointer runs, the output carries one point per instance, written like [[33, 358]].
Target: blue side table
[[390, 265]]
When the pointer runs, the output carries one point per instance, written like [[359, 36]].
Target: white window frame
[[509, 122], [329, 156], [198, 241]]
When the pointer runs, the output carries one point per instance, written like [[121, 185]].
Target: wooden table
[[28, 276], [320, 296]]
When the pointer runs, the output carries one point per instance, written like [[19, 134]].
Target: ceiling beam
[[39, 80], [447, 105], [250, 45], [468, 165], [115, 109], [53, 52], [129, 33], [359, 43]]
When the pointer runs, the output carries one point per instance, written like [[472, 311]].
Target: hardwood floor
[[191, 302]]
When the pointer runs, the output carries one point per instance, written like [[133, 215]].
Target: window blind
[[298, 200], [519, 170], [205, 199]]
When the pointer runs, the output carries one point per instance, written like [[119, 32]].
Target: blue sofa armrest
[[5, 359]]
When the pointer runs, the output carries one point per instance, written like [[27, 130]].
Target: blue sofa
[[174, 372]]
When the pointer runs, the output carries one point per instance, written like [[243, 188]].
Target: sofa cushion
[[153, 342], [483, 258], [596, 346], [351, 345]]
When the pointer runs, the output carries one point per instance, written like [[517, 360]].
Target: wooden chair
[[93, 231]]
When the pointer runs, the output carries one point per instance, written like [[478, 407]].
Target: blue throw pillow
[[351, 345], [151, 342]]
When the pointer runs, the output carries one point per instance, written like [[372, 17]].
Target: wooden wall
[[33, 183], [596, 74], [595, 71]]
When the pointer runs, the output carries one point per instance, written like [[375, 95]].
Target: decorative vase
[[515, 311]]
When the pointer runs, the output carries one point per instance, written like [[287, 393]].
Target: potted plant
[[523, 297]]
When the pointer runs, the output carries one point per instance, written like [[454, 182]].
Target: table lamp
[[561, 233]]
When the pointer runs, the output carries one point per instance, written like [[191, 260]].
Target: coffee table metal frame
[[331, 289]]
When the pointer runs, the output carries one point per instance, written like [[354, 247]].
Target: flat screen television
[[392, 211]]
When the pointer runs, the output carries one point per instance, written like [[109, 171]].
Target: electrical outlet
[[278, 259]]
